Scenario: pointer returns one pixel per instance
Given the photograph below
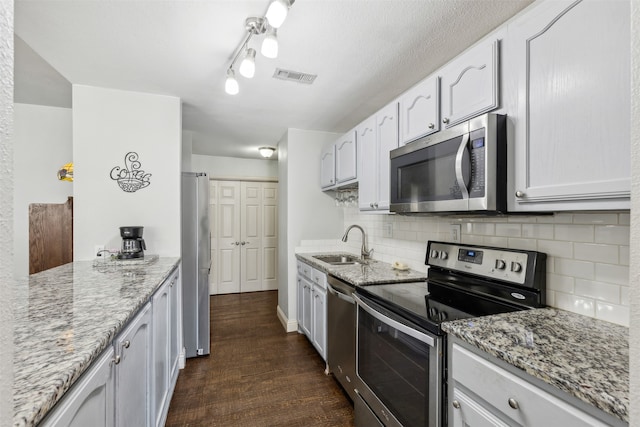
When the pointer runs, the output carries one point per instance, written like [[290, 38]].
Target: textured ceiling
[[365, 53]]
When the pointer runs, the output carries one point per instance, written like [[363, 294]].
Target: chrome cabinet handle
[[126, 344], [445, 120], [456, 404], [513, 403], [116, 360], [519, 194], [431, 126]]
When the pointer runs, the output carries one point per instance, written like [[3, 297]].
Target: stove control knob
[[444, 255], [434, 253], [516, 267], [500, 264]]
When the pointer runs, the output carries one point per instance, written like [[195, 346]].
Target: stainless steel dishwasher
[[341, 334]]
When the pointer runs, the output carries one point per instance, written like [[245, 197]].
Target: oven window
[[395, 366]]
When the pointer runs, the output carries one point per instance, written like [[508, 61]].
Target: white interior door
[[228, 271], [251, 232], [269, 235]]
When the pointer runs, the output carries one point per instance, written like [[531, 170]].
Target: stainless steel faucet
[[364, 253]]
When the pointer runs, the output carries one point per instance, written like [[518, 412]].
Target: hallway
[[256, 374]]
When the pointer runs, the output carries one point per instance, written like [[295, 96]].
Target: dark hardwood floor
[[256, 374]]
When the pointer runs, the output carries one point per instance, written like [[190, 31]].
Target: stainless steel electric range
[[400, 346]]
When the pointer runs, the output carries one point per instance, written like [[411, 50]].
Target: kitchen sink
[[339, 259]]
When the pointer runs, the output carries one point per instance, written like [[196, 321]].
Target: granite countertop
[[583, 356], [63, 320], [373, 272]]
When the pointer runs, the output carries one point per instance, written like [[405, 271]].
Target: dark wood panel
[[50, 235], [256, 374]]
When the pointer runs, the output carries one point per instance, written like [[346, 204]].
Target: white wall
[[42, 144], [6, 211], [107, 124], [232, 167], [187, 150], [304, 212]]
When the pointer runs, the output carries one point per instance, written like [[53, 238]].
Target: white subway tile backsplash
[[613, 234], [537, 231], [574, 233], [612, 313], [560, 283], [578, 269], [509, 230], [595, 218], [575, 303], [596, 253], [588, 252], [598, 290], [612, 273]]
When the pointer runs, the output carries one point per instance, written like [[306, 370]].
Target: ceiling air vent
[[294, 76]]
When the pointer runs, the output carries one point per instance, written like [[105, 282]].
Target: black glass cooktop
[[428, 304]]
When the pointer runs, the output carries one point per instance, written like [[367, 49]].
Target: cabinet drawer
[[504, 391], [319, 278], [305, 269]]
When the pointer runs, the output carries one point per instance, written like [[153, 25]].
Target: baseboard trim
[[287, 324], [182, 360]]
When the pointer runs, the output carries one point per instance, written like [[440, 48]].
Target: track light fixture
[[273, 19]]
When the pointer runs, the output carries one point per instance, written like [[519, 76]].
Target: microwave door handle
[[462, 149]]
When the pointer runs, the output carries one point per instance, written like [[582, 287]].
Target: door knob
[[445, 120], [126, 344], [519, 194], [243, 243]]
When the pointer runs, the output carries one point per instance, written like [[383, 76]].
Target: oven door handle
[[462, 150], [394, 323]]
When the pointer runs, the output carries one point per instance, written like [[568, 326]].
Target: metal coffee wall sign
[[131, 177]]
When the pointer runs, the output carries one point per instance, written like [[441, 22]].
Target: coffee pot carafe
[[133, 245]]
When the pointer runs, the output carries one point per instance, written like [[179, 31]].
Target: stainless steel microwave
[[461, 169]]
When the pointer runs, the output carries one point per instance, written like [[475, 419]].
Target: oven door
[[400, 367]]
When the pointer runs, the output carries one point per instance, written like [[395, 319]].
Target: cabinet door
[[470, 83], [91, 400], [175, 290], [387, 137], [346, 158], [161, 368], [133, 373], [328, 167], [307, 300], [420, 110], [320, 321], [573, 118], [367, 157], [300, 300]]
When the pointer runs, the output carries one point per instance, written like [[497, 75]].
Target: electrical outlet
[[454, 233], [97, 249], [388, 229]]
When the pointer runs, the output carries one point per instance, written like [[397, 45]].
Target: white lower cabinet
[[312, 306], [91, 400], [131, 383], [484, 394], [133, 372]]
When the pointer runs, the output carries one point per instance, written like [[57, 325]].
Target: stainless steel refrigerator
[[196, 262]]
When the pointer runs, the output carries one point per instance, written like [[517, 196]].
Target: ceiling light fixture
[[266, 152], [277, 13], [270, 44], [231, 84]]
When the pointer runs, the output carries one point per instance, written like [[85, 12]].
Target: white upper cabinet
[[328, 167], [420, 110], [470, 83], [346, 158], [377, 136], [571, 61]]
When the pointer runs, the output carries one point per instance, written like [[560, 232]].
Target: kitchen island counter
[[65, 317], [582, 356], [370, 273]]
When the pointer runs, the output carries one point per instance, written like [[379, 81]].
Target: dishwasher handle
[[344, 297]]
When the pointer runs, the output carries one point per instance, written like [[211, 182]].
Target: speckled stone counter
[[582, 356], [65, 317], [363, 274]]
